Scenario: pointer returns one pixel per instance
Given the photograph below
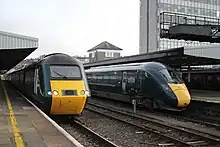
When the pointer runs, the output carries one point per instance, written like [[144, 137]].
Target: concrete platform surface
[[208, 96], [22, 125]]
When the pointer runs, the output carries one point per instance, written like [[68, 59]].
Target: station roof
[[17, 35], [176, 57], [11, 57]]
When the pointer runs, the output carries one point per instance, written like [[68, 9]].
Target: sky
[[73, 26]]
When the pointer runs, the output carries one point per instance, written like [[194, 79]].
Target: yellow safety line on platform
[[16, 131]]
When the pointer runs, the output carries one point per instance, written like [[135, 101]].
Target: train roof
[[130, 66], [54, 58], [61, 58]]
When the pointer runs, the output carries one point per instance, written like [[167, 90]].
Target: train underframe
[[141, 101]]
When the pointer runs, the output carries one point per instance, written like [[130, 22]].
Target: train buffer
[[21, 124]]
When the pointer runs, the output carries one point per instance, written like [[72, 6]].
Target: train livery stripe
[[16, 131]]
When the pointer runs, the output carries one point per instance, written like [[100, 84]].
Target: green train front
[[152, 84], [165, 86]]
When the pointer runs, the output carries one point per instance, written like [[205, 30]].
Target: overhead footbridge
[[189, 27], [14, 48]]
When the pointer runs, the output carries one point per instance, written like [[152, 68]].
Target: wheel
[[150, 104]]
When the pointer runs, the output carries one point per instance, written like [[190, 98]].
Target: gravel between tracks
[[81, 137], [120, 133], [162, 129], [167, 118]]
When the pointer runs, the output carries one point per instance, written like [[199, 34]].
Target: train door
[[37, 87], [124, 82], [36, 83]]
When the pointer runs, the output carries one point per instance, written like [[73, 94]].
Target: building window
[[109, 54], [93, 54]]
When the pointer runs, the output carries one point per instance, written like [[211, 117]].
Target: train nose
[[183, 97]]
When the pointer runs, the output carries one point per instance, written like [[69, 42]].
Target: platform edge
[[67, 135]]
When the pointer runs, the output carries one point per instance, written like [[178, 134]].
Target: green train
[[152, 84], [57, 83]]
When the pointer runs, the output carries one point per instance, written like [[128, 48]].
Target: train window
[[218, 78], [89, 77], [93, 77], [22, 77], [131, 80], [119, 76], [105, 76], [170, 76], [124, 77], [65, 72], [147, 74], [131, 76], [26, 77], [209, 78], [99, 78]]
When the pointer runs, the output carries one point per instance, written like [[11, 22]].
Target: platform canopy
[[176, 57], [11, 57], [14, 48]]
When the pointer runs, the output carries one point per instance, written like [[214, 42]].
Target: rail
[[161, 128]]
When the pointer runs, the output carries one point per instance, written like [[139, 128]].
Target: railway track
[[84, 135], [180, 116], [187, 119], [180, 136]]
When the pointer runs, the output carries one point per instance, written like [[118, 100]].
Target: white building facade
[[150, 21]]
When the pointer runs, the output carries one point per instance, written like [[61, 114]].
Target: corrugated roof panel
[[13, 41]]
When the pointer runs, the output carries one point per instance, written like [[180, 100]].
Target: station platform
[[207, 96], [22, 125]]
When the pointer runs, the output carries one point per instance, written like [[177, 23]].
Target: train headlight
[[82, 92], [55, 92], [49, 93], [87, 93]]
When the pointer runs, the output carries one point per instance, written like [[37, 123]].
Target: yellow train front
[[57, 83], [67, 85]]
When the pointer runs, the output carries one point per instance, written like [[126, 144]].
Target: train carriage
[[152, 84], [57, 83]]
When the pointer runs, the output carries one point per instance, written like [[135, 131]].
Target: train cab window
[[170, 76], [65, 72]]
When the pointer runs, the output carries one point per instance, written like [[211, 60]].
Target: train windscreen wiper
[[64, 77]]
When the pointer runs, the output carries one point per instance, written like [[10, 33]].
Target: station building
[[104, 51]]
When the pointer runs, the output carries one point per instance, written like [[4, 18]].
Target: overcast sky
[[73, 26]]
